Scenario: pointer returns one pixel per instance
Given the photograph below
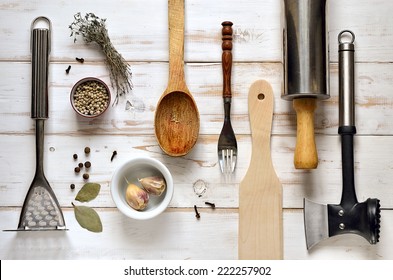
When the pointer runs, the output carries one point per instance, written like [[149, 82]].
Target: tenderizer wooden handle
[[306, 156]]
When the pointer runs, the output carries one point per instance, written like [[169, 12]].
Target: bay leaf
[[88, 192], [88, 218]]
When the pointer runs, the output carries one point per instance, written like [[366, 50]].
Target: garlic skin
[[136, 197], [153, 185]]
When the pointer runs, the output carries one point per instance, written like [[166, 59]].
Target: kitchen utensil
[[41, 210], [176, 119], [260, 197], [130, 172], [227, 145], [306, 70], [350, 216]]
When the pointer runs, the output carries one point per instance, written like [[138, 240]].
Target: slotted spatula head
[[260, 197], [41, 209]]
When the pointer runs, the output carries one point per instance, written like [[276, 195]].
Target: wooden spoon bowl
[[177, 123], [176, 119]]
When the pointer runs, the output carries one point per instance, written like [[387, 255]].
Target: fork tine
[[229, 160], [224, 161], [234, 159], [220, 160]]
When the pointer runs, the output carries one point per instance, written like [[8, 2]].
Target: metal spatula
[[41, 210]]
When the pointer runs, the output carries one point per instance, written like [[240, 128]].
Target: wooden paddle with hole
[[260, 197]]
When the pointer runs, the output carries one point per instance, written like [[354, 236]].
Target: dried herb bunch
[[93, 29]]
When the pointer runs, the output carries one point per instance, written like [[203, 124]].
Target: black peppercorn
[[77, 169], [80, 165], [85, 176], [72, 186], [87, 164], [75, 156], [87, 150]]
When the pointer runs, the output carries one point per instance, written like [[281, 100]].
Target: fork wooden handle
[[227, 57]]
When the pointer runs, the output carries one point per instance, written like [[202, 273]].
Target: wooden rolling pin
[[306, 65]]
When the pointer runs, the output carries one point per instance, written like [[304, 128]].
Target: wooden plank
[[257, 24], [181, 236], [373, 164], [373, 99], [135, 35]]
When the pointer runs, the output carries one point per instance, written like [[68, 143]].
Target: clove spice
[[113, 155], [197, 215], [68, 69], [212, 205], [81, 60]]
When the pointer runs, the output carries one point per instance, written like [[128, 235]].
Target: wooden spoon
[[176, 119], [260, 192]]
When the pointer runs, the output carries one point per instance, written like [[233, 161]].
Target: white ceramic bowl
[[131, 171]]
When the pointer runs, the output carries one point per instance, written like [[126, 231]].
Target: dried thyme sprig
[[93, 29]]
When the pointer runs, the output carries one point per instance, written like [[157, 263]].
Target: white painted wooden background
[[138, 29]]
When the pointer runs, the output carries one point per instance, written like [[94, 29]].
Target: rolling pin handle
[[306, 156]]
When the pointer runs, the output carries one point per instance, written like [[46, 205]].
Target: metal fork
[[227, 145]]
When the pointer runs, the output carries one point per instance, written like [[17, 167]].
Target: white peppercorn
[[91, 98]]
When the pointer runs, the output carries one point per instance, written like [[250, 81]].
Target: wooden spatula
[[260, 197]]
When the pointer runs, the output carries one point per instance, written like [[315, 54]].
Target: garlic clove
[[136, 197], [153, 185]]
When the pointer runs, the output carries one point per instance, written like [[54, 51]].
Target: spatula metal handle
[[40, 49]]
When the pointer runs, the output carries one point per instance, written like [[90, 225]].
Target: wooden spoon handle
[[306, 156], [227, 57], [176, 43]]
